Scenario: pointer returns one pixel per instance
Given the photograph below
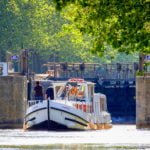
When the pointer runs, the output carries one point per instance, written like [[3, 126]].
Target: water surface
[[119, 137]]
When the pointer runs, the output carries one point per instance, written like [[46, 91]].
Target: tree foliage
[[68, 35], [36, 25], [124, 25]]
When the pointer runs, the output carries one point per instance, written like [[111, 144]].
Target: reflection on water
[[120, 136]]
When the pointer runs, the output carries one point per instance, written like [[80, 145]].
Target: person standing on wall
[[38, 91]]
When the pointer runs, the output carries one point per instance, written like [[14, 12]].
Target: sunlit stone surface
[[13, 91]]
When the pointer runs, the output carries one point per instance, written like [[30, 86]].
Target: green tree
[[50, 35], [124, 25]]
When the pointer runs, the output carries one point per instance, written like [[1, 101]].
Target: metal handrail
[[33, 102]]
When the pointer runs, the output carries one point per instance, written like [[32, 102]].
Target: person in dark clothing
[[50, 93], [38, 91]]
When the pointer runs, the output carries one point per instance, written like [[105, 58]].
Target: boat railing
[[33, 102], [83, 106]]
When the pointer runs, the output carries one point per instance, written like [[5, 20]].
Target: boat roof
[[76, 80]]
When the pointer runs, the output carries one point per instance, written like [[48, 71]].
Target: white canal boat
[[75, 107]]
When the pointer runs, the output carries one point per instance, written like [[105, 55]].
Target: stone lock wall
[[13, 94], [143, 102]]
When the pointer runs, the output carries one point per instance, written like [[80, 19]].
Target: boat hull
[[55, 117]]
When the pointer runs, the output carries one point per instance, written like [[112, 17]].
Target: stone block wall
[[13, 94], [143, 102]]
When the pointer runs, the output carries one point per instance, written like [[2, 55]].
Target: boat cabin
[[75, 90]]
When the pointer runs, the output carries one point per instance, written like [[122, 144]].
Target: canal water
[[119, 137]]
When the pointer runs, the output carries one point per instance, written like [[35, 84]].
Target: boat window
[[81, 92], [61, 92], [72, 91], [68, 91]]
